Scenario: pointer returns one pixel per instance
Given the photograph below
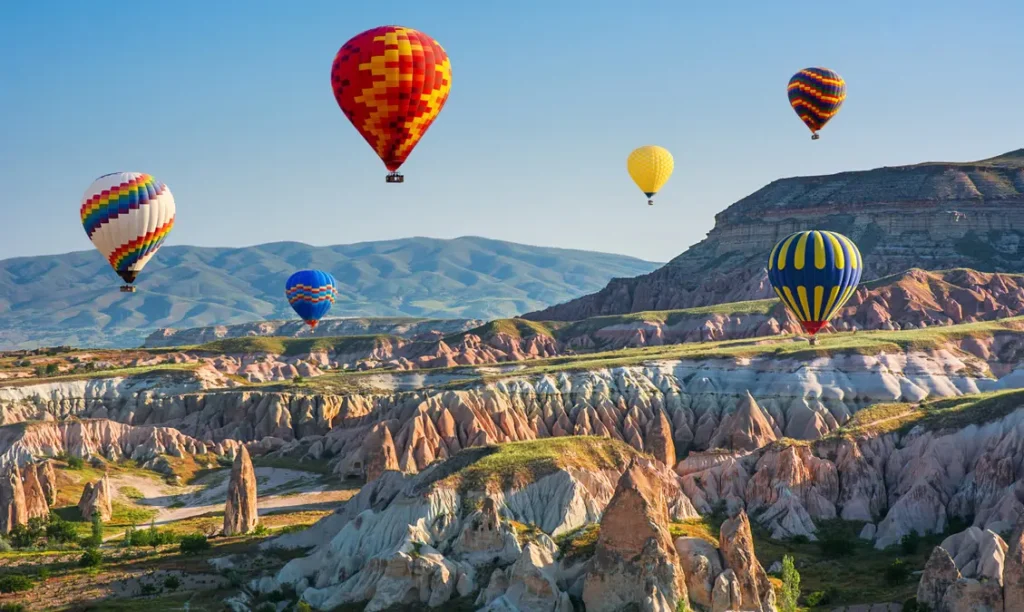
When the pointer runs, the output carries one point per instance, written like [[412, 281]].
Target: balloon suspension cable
[[394, 177], [127, 289]]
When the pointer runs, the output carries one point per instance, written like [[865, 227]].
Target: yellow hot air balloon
[[650, 166]]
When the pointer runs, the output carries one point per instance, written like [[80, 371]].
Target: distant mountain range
[[933, 216], [74, 298]]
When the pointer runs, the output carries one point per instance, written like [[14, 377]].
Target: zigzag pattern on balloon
[[119, 200], [391, 82], [313, 295], [129, 254], [816, 94]]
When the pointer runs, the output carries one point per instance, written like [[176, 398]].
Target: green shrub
[[75, 463], [897, 573], [14, 583], [52, 368], [91, 558], [150, 589], [95, 540], [911, 605], [5, 546], [12, 607], [799, 539], [303, 607], [172, 582], [194, 544], [909, 543], [60, 531], [835, 547], [821, 598]]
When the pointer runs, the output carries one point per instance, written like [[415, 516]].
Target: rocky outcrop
[[745, 429], [969, 595], [736, 544], [485, 538], [35, 498], [407, 328], [1013, 570], [702, 565], [97, 498], [13, 509], [635, 559], [531, 585], [47, 480], [240, 514], [940, 573], [977, 553], [899, 217]]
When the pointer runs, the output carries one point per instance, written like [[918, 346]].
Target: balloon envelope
[[127, 216], [650, 167], [311, 294], [816, 95], [391, 82], [814, 273]]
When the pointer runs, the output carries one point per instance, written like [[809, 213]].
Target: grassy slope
[[290, 346]]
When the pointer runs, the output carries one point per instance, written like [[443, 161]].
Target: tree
[[790, 585], [96, 539]]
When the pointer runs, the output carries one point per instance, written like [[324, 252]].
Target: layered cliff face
[[900, 218]]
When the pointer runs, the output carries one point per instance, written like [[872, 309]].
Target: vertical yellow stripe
[[819, 251], [792, 303], [840, 259], [829, 311], [783, 250], [802, 292], [852, 251], [801, 250], [846, 296], [771, 258], [819, 294]]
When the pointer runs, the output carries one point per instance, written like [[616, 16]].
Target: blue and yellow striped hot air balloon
[[814, 273], [311, 294], [816, 95]]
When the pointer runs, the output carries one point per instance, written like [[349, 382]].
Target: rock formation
[[635, 558], [746, 429], [1013, 570], [240, 509], [13, 509], [939, 574], [47, 480], [736, 544], [901, 217], [35, 498], [97, 497]]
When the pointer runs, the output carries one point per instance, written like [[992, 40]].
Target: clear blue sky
[[229, 103]]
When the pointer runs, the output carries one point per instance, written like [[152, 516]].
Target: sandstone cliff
[[900, 217], [240, 509]]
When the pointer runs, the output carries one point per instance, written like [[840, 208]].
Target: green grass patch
[[579, 543], [516, 328], [131, 492], [275, 345], [519, 463], [289, 463], [667, 317], [141, 371]]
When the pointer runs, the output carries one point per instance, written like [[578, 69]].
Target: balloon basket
[[127, 289], [650, 202], [815, 137], [394, 177], [813, 340]]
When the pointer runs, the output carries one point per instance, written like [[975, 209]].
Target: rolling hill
[[73, 298]]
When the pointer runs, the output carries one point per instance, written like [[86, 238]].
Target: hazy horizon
[[230, 105]]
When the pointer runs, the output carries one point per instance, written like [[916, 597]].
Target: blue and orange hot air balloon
[[391, 82], [311, 294], [814, 273], [816, 95]]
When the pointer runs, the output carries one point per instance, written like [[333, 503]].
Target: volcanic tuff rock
[[240, 509], [47, 480], [97, 497], [35, 498], [13, 510], [635, 557], [899, 217], [408, 328], [736, 544]]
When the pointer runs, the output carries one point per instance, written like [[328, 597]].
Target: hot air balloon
[[391, 82], [814, 273], [816, 95], [127, 215], [650, 167], [311, 294]]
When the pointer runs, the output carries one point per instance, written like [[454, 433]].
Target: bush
[[12, 608], [5, 546], [790, 585], [305, 607], [261, 530], [95, 540], [75, 463], [836, 547], [24, 536], [298, 379], [909, 543], [91, 558], [911, 605], [60, 531], [897, 573], [821, 598], [194, 544], [14, 583], [149, 589], [172, 582], [800, 539]]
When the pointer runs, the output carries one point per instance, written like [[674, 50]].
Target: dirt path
[[277, 490]]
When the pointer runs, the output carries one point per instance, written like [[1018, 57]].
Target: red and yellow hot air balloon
[[391, 82]]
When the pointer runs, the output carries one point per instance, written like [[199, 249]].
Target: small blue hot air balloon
[[814, 273], [311, 294]]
